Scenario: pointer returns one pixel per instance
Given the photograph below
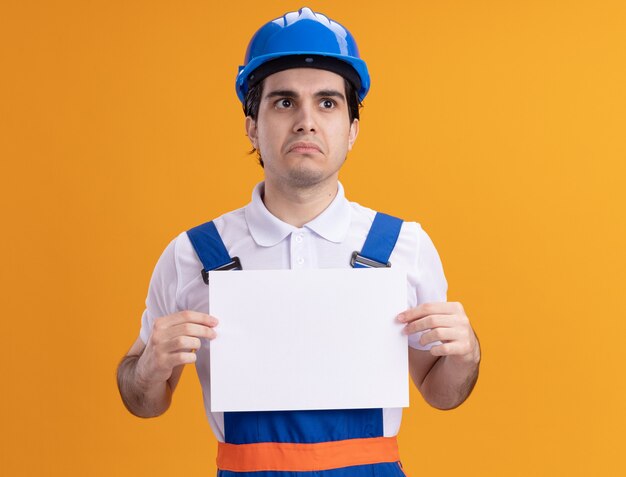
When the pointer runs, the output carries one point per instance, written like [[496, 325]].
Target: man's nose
[[305, 121]]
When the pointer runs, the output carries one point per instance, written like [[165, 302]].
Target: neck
[[298, 206]]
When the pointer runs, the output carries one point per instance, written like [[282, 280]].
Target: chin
[[306, 177]]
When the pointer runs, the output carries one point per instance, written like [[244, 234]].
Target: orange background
[[499, 125]]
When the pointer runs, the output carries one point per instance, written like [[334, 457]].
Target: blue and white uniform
[[262, 241]]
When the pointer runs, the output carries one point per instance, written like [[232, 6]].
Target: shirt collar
[[267, 230]]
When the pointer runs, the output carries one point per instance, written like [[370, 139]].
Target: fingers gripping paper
[[310, 339]]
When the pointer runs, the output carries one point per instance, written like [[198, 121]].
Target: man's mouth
[[304, 147]]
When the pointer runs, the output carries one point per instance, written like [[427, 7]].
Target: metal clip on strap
[[235, 264], [211, 250], [366, 262], [379, 243]]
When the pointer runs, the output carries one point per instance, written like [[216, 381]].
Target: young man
[[301, 87]]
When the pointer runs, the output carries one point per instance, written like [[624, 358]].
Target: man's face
[[302, 130]]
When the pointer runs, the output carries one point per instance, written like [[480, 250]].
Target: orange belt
[[306, 457]]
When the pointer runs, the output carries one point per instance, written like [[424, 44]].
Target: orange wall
[[499, 125]]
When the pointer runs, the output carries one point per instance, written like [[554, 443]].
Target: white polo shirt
[[262, 241]]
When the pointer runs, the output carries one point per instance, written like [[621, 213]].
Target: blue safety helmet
[[302, 39]]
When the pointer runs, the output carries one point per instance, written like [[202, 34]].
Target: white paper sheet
[[308, 339]]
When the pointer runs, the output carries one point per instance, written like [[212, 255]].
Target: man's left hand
[[445, 322]]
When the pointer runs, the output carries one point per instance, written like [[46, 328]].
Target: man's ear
[[354, 132], [251, 132]]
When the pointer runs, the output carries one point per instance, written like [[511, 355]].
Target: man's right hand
[[172, 343]]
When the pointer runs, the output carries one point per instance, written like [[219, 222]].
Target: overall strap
[[211, 250], [379, 243]]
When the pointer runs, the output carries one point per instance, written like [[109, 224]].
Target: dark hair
[[252, 102]]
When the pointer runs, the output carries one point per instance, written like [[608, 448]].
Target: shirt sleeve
[[162, 292], [428, 280]]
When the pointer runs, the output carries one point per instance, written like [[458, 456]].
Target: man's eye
[[283, 103], [327, 104]]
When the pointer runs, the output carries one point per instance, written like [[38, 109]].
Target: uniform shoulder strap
[[379, 243], [211, 250]]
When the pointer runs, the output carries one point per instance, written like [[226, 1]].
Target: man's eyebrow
[[330, 93], [281, 93]]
